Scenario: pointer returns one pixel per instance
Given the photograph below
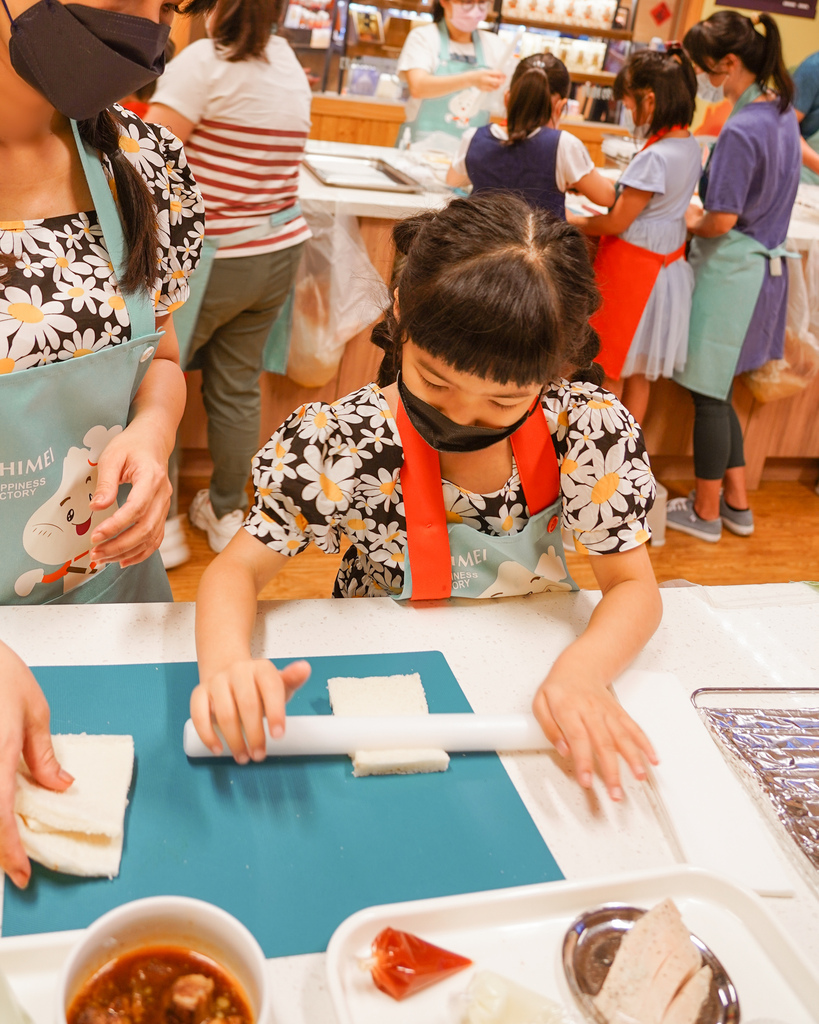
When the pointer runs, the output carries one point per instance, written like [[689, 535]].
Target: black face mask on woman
[[83, 59], [444, 435]]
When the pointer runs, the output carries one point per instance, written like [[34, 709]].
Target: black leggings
[[717, 437]]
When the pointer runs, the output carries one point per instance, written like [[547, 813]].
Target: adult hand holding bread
[[24, 729]]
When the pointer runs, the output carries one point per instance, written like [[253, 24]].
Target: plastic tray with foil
[[519, 933]]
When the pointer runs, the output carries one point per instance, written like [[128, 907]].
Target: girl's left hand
[[138, 457], [584, 721]]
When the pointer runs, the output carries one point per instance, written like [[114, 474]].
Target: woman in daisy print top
[[100, 225], [451, 475]]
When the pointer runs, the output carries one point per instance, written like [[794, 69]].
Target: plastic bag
[[338, 294], [782, 378]]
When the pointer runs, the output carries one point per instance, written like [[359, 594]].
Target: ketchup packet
[[402, 963]]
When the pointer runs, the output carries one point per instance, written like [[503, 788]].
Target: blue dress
[[670, 169], [754, 173]]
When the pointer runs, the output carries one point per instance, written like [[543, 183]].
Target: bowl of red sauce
[[165, 960]]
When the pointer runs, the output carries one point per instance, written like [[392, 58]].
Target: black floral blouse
[[334, 469], [61, 299]]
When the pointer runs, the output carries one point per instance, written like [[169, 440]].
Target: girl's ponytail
[[535, 81], [773, 65], [133, 198]]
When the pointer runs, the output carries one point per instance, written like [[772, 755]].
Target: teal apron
[[729, 272], [55, 421], [452, 560], [806, 175], [185, 318], [442, 114]]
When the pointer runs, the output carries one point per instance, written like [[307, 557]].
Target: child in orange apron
[[451, 476], [641, 270]]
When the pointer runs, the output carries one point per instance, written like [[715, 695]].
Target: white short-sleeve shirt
[[573, 160], [422, 50]]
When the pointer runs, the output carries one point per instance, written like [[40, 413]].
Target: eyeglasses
[[469, 5]]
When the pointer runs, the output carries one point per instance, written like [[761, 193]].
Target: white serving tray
[[518, 932]]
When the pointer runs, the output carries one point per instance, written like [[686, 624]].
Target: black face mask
[[442, 434], [83, 59]]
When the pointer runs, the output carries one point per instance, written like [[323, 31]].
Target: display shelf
[[594, 77], [571, 30]]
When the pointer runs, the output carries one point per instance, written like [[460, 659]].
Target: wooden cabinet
[[367, 122]]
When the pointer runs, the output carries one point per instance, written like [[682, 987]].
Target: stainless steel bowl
[[591, 944]]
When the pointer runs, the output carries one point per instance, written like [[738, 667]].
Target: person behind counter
[[641, 269], [741, 283], [806, 107], [444, 64], [470, 451], [531, 156], [240, 103], [90, 386]]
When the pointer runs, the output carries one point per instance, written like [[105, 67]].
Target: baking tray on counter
[[519, 933], [370, 173]]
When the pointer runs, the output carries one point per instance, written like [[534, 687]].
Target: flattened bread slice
[[73, 853], [95, 802], [386, 695]]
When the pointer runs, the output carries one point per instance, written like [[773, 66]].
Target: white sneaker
[[219, 531], [174, 548]]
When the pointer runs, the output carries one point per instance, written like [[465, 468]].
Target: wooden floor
[[784, 547]]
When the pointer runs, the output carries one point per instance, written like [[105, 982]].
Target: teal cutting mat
[[292, 846]]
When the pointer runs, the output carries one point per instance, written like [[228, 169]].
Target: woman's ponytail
[[133, 198], [773, 65]]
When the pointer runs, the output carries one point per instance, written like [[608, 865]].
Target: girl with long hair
[[531, 156], [741, 286]]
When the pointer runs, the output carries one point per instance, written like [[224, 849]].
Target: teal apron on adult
[[443, 114], [806, 175], [184, 319], [729, 272], [55, 421], [453, 560]]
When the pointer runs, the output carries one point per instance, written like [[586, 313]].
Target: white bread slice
[[386, 695], [73, 853], [95, 802], [643, 950], [685, 1009], [681, 964]]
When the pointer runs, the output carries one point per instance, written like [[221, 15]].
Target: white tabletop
[[803, 229], [499, 652]]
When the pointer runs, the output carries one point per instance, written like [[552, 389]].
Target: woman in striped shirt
[[240, 102]]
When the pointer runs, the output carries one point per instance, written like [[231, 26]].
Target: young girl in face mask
[[444, 64], [480, 431], [641, 270], [531, 156]]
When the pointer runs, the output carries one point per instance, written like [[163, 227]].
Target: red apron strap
[[625, 275], [427, 535], [537, 462]]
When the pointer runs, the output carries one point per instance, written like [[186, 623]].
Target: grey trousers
[[243, 299]]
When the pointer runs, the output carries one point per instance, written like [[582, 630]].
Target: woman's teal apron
[[55, 421], [729, 272], [806, 175], [452, 560], [444, 113], [184, 319]]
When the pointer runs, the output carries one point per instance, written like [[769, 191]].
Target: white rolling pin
[[328, 734]]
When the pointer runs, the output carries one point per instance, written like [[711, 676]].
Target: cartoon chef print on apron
[[453, 560], [55, 422]]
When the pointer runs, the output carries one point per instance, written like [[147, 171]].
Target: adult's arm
[[139, 456], [24, 729], [426, 86], [574, 704]]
